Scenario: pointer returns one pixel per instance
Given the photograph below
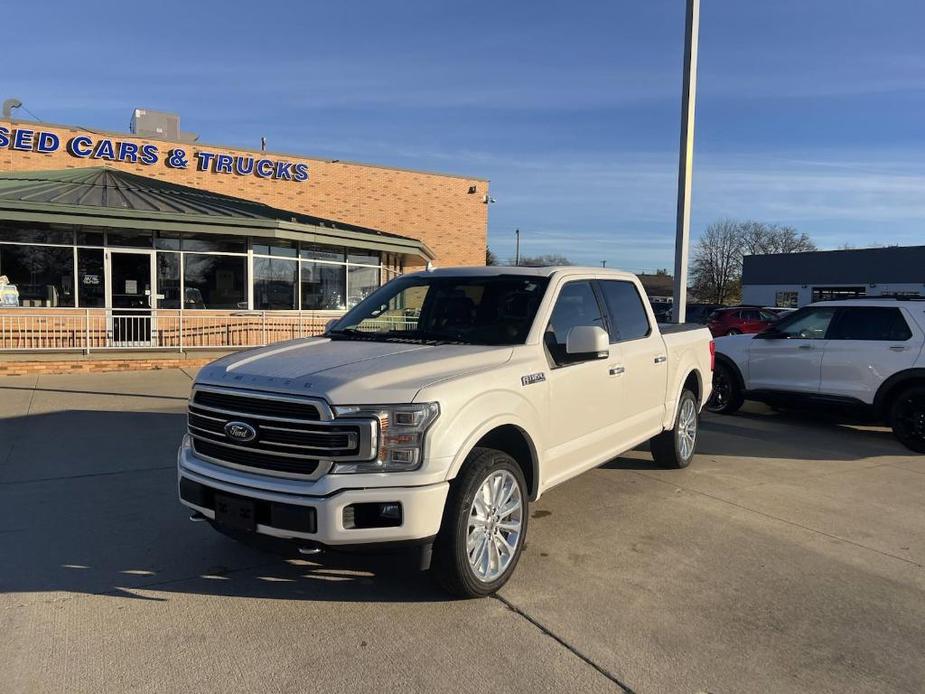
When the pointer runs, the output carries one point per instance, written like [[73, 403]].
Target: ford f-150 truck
[[433, 412]]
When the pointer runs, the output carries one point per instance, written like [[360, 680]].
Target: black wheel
[[727, 396], [484, 525], [675, 448], [907, 417]]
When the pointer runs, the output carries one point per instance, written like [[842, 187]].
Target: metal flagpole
[[686, 160]]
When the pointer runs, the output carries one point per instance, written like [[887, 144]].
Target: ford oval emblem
[[240, 431]]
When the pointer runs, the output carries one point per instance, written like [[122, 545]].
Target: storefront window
[[277, 247], [324, 286], [214, 243], [167, 240], [168, 281], [361, 281], [130, 239], [43, 275], [362, 257], [315, 251], [91, 278], [36, 233], [215, 281], [275, 283]]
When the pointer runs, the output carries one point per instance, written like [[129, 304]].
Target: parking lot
[[788, 557]]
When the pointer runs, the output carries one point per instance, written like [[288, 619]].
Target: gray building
[[797, 279]]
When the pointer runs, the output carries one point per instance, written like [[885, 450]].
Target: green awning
[[100, 196]]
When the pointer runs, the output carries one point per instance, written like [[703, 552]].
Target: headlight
[[401, 435]]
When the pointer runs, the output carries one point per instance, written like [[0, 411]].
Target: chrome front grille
[[294, 437]]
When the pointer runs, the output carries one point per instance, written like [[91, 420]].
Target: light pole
[[686, 159], [517, 248], [603, 263]]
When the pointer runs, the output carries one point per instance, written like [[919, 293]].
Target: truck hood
[[350, 372]]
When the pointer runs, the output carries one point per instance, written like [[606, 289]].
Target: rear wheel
[[484, 525], [727, 395], [675, 448], [907, 417]]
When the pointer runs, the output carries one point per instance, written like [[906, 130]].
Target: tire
[[733, 331], [491, 567], [727, 395], [907, 417], [675, 448]]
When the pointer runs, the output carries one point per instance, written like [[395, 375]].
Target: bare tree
[[716, 270], [490, 257], [543, 260]]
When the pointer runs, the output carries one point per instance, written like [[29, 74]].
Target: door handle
[[805, 347], [661, 359], [897, 348], [616, 370]]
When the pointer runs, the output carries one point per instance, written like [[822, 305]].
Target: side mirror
[[590, 341]]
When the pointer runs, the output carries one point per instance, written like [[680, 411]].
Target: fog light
[[373, 515]]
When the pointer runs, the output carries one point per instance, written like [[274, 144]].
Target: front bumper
[[421, 506]]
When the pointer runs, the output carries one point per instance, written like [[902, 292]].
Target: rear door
[[790, 358], [644, 366], [867, 345]]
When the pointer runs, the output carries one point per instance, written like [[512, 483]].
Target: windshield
[[496, 310]]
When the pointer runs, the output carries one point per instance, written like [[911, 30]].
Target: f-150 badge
[[532, 378]]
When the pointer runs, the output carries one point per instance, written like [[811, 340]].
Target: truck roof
[[547, 271]]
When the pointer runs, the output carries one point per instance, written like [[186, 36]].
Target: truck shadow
[[88, 504]]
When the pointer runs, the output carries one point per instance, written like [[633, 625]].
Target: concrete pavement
[[789, 557]]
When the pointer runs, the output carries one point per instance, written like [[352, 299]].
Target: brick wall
[[434, 208]]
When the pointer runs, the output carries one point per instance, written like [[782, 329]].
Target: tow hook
[[197, 517]]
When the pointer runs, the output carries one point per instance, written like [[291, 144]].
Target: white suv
[[863, 353]]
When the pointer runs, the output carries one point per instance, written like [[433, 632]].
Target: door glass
[[628, 316], [168, 280], [131, 278], [808, 324], [576, 305], [886, 324], [91, 281]]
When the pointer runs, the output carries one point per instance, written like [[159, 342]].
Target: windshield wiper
[[407, 336]]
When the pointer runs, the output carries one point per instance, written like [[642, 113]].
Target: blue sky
[[810, 112]]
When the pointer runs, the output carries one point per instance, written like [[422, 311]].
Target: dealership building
[[150, 239], [790, 280]]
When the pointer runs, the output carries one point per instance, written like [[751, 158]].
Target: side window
[[768, 316], [628, 315], [576, 305], [750, 314], [808, 324], [862, 323]]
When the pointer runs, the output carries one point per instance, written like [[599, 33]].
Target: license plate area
[[236, 512]]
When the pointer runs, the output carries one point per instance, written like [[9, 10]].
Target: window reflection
[[275, 283], [215, 281], [324, 286], [43, 275]]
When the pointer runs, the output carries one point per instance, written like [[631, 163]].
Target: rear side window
[[873, 323], [627, 315], [806, 324]]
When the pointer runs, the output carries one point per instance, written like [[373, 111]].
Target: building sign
[[108, 149]]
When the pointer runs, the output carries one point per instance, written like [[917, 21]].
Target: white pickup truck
[[866, 355], [434, 411]]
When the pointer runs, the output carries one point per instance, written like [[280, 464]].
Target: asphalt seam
[[782, 520], [89, 474], [565, 644], [9, 454]]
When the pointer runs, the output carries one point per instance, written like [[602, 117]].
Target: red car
[[737, 320]]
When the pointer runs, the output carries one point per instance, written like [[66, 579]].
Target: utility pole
[[686, 159], [517, 248]]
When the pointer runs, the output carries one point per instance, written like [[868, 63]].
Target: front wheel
[[907, 417], [484, 525], [675, 448]]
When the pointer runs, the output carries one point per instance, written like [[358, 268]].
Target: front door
[[789, 357], [131, 298], [584, 394]]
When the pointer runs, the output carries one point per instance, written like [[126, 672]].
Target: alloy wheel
[[495, 525], [687, 429]]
